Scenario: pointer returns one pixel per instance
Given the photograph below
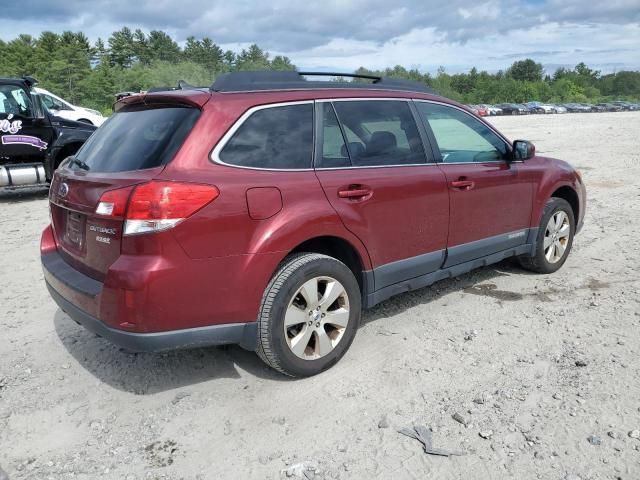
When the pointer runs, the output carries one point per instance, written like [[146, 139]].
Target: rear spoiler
[[182, 94]]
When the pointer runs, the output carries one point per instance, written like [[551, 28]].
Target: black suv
[[33, 142]]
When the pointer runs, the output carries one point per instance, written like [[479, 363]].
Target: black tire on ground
[[294, 271], [538, 262]]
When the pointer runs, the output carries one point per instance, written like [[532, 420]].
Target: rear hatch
[[90, 191]]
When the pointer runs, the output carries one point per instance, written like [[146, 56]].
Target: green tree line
[[90, 74], [69, 65], [525, 80]]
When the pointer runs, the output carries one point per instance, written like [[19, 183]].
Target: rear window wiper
[[75, 161]]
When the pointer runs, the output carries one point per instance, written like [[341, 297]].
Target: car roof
[[292, 80], [25, 82], [259, 88]]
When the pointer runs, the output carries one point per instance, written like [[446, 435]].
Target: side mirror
[[38, 107], [523, 150]]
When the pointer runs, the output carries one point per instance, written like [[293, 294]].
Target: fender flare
[[545, 193]]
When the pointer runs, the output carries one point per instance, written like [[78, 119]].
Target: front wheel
[[309, 315], [554, 240]]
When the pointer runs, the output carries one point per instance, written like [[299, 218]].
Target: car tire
[[554, 239], [84, 120], [302, 329]]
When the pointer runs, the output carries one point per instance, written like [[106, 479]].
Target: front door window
[[460, 137]]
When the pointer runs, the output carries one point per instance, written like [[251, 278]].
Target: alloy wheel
[[316, 318], [556, 236]]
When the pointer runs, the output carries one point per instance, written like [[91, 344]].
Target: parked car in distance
[[493, 110], [559, 108], [538, 107], [473, 109], [573, 107], [610, 107], [268, 210], [625, 105], [525, 109], [482, 110], [63, 109], [512, 109]]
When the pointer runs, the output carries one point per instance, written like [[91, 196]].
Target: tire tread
[[537, 263], [287, 268]]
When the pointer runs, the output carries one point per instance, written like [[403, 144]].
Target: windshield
[[137, 139]]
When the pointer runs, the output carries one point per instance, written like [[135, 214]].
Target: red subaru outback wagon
[[269, 209]]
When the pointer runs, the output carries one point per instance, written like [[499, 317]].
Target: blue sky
[[346, 34]]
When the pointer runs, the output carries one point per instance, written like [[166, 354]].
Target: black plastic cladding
[[291, 80]]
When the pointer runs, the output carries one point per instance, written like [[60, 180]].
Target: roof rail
[[253, 81], [375, 78]]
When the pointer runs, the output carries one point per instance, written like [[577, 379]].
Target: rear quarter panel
[[224, 235]]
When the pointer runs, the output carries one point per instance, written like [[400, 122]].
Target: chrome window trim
[[214, 156], [498, 134], [364, 99], [215, 153], [430, 164]]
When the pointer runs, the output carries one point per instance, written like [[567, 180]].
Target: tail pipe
[[20, 175]]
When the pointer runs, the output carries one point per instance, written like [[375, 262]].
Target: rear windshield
[[137, 139]]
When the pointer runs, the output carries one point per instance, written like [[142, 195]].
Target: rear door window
[[334, 148], [137, 139], [380, 133], [278, 137]]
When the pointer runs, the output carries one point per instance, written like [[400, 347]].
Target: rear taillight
[[155, 206], [113, 203]]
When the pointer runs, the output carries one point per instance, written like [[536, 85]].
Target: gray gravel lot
[[540, 372]]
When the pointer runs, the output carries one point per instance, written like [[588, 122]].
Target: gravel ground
[[540, 372]]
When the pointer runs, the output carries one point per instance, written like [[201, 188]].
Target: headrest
[[381, 142], [356, 149]]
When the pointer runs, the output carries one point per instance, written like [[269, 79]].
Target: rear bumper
[[78, 286]]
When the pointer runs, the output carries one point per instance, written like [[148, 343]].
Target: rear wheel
[[554, 240], [309, 315]]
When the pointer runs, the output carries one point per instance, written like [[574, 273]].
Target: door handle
[[355, 192], [463, 184]]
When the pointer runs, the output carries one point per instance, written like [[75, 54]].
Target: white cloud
[[601, 46], [345, 34], [483, 11]]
